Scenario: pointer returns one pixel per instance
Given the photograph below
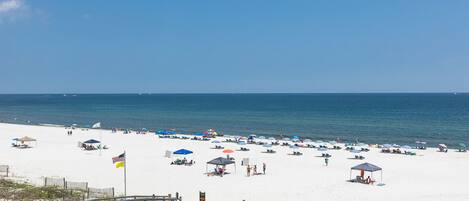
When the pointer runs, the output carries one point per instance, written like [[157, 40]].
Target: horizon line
[[202, 93]]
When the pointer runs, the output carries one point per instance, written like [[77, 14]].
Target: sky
[[246, 46]]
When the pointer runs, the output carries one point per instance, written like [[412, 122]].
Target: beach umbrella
[[462, 145], [261, 137], [216, 142], [322, 149], [26, 139], [267, 145], [406, 147], [294, 147], [361, 144], [356, 151], [396, 146], [295, 140], [183, 152], [442, 146], [272, 138], [242, 143], [387, 146], [228, 151], [91, 141]]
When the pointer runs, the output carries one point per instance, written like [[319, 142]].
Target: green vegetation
[[10, 190]]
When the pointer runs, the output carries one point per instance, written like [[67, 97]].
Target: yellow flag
[[120, 164]]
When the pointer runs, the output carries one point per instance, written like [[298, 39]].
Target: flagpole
[[125, 174]]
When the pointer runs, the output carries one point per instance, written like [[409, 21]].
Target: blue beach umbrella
[[91, 141], [215, 141], [183, 152], [242, 143]]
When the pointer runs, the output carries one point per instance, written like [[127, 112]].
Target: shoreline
[[278, 137]]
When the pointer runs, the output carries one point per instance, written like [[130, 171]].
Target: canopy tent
[[367, 167], [421, 145], [220, 161], [183, 152], [91, 141]]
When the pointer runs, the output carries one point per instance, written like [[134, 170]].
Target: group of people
[[69, 132], [252, 170], [184, 161], [368, 180]]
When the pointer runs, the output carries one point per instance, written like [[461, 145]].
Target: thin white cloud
[[11, 10], [10, 5]]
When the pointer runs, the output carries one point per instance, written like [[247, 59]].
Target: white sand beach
[[429, 176]]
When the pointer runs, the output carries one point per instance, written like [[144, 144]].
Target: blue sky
[[233, 46]]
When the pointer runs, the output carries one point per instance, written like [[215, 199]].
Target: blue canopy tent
[[367, 167], [183, 152]]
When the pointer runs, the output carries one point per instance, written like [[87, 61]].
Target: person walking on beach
[[263, 168], [255, 170], [326, 160], [248, 170]]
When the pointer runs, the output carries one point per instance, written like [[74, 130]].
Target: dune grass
[[10, 190]]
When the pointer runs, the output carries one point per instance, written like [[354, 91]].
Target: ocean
[[371, 118]]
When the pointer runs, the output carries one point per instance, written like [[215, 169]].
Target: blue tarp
[[165, 132], [183, 152], [91, 141], [199, 134]]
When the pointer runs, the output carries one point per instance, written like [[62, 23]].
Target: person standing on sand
[[326, 160], [248, 170], [263, 168], [255, 170]]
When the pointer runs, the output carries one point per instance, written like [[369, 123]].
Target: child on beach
[[326, 160]]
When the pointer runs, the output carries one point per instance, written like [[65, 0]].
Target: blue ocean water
[[372, 118]]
